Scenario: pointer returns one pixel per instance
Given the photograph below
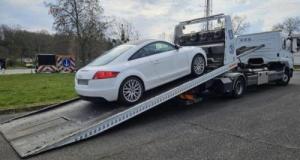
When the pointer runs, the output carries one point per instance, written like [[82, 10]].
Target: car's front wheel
[[131, 90], [198, 65]]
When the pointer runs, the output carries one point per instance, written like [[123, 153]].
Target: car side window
[[145, 52], [152, 49], [163, 47]]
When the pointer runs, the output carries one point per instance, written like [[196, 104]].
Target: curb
[[26, 109], [34, 109]]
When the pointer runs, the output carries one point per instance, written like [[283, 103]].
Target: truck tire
[[285, 79], [239, 88]]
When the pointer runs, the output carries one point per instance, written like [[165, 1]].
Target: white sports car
[[124, 73]]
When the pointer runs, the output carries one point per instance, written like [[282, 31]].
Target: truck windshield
[[110, 55]]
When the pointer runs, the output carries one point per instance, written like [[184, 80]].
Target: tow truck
[[77, 120]]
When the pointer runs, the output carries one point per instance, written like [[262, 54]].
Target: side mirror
[[177, 46]]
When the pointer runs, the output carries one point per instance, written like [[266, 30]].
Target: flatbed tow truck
[[76, 120]]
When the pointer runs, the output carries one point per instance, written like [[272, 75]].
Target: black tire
[[198, 65], [239, 88], [285, 79], [131, 91]]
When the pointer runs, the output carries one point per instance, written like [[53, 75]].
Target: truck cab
[[277, 50]]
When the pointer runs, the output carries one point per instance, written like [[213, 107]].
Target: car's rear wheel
[[131, 90], [198, 65]]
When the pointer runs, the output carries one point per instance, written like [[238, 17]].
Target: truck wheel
[[285, 80], [131, 91], [198, 65], [239, 88]]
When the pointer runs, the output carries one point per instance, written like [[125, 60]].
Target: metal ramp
[[77, 120]]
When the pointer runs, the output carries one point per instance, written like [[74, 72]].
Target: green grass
[[27, 90]]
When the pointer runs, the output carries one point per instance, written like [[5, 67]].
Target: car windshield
[[110, 55]]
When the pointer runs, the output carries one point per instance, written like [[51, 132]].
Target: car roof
[[145, 41]]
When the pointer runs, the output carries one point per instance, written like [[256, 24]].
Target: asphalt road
[[264, 124]]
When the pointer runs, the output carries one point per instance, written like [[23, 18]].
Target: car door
[[182, 63], [165, 62], [143, 61], [160, 63]]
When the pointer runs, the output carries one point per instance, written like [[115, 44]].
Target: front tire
[[198, 65], [131, 91]]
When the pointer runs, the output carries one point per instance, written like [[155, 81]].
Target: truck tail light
[[105, 75]]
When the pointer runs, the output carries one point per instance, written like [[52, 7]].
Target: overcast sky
[[152, 17]]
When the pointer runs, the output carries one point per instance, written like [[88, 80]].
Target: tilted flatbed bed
[[77, 120]]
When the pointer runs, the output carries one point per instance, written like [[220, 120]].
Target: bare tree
[[240, 25], [80, 18], [123, 31], [166, 36], [290, 25]]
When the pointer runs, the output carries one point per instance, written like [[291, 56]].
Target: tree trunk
[[82, 53]]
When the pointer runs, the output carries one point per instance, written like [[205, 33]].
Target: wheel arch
[[134, 76], [192, 59], [201, 54], [197, 51], [123, 80], [235, 76]]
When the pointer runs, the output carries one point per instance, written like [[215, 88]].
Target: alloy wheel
[[199, 65], [132, 90]]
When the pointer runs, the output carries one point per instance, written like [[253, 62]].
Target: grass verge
[[29, 90]]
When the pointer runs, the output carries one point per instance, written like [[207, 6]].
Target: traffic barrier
[[47, 69], [65, 64]]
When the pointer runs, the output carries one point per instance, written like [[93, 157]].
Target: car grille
[[83, 82]]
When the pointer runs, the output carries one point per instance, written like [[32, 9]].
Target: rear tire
[[239, 88], [198, 65], [285, 79], [131, 91]]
